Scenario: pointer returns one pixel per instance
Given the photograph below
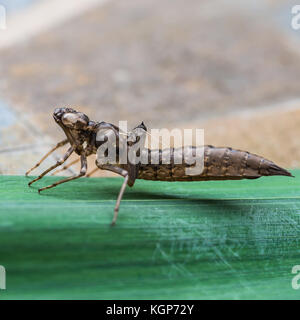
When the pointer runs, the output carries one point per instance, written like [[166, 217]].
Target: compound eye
[[75, 120]]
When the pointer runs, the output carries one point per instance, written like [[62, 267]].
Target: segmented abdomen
[[219, 164]]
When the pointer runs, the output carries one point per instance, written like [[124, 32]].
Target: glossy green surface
[[193, 240]]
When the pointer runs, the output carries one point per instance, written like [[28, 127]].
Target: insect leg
[[120, 196], [60, 144], [81, 173], [67, 166], [123, 173], [58, 163]]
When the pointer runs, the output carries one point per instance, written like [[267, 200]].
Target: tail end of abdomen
[[271, 169], [237, 164]]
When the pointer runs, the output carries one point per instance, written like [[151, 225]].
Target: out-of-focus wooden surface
[[166, 63]]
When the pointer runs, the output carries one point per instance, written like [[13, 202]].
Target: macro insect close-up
[[219, 163], [149, 151]]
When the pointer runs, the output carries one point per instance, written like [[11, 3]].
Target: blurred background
[[231, 67]]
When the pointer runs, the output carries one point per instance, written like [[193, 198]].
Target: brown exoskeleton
[[83, 137]]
